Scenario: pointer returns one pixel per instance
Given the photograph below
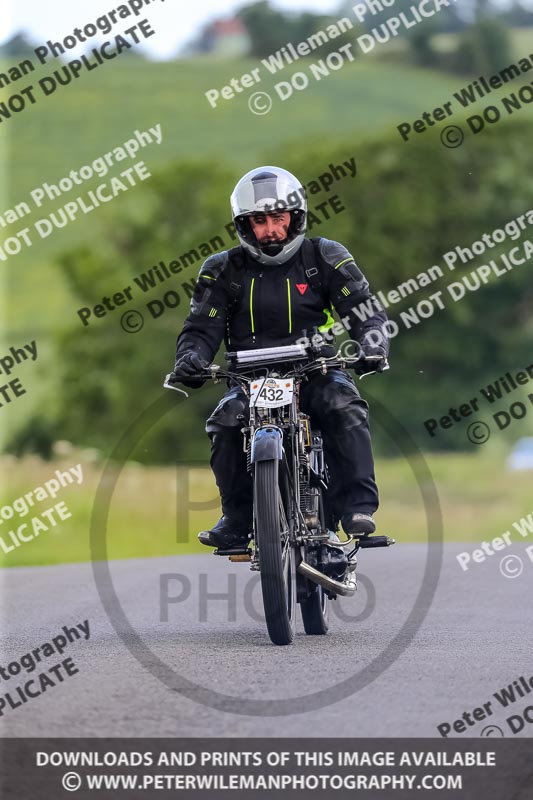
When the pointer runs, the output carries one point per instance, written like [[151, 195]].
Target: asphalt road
[[379, 672]]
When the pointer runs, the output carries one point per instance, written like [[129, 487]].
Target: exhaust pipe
[[346, 589]]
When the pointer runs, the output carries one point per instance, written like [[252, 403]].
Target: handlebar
[[321, 364]]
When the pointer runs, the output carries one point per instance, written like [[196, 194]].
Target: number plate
[[272, 392]]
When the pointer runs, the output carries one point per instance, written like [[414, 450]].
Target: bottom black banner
[[493, 769]]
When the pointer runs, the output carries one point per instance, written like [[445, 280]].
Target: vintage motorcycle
[[294, 544]]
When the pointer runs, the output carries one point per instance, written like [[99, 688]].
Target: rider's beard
[[272, 240], [272, 247]]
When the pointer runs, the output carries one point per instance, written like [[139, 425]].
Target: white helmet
[[262, 191]]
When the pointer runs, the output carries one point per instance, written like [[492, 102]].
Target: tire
[[315, 614], [278, 573], [315, 611]]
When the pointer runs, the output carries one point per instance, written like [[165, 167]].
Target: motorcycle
[[294, 543]]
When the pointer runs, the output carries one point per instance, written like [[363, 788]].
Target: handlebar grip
[[201, 376]]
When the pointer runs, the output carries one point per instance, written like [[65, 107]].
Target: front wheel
[[315, 610], [276, 556]]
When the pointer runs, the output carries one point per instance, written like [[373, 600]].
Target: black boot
[[228, 462], [362, 524], [228, 532]]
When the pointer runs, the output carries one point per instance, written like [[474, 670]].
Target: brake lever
[[213, 371], [168, 385], [385, 367]]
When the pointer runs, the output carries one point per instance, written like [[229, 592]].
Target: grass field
[[148, 510]]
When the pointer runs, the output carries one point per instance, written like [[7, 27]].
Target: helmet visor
[[266, 192]]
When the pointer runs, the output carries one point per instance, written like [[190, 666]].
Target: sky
[[45, 19]]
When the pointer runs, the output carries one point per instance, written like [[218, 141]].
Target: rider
[[276, 294]]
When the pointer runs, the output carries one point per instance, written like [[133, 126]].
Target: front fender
[[267, 444]]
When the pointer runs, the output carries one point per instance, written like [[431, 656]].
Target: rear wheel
[[315, 613], [276, 556]]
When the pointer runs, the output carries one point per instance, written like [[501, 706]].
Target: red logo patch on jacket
[[302, 287]]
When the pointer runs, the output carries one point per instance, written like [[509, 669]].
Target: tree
[[518, 15], [270, 29], [266, 26], [484, 47], [18, 47]]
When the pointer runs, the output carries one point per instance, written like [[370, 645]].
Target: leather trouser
[[337, 410]]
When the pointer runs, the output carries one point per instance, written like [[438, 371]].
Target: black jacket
[[275, 304]]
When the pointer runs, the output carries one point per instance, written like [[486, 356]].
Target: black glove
[[375, 358], [187, 367]]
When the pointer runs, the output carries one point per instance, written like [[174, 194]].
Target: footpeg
[[234, 553], [375, 541]]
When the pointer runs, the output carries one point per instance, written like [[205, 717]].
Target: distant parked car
[[522, 455]]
